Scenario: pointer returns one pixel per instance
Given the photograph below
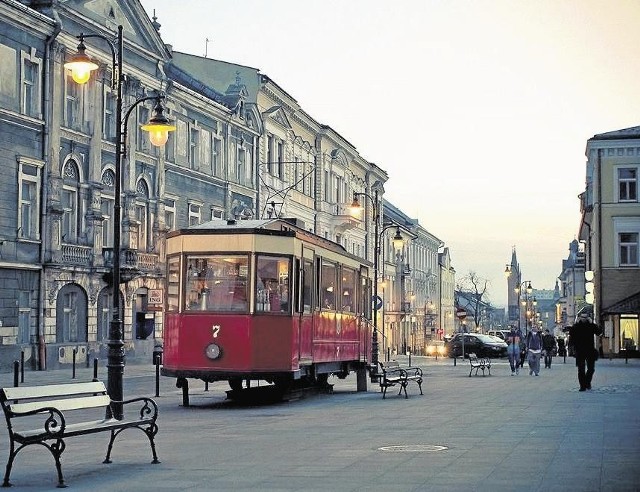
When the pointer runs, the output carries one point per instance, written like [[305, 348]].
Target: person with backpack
[[534, 351], [549, 346]]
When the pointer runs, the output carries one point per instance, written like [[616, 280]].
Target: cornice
[[19, 15]]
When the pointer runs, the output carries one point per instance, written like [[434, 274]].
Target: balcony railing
[[73, 254], [133, 259]]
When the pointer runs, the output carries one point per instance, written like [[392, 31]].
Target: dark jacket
[[548, 341], [581, 338]]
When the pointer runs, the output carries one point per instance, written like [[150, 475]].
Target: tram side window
[[272, 284], [348, 289], [307, 282], [328, 286], [173, 283], [217, 283]]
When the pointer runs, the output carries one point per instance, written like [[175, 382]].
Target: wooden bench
[[477, 363], [393, 374], [48, 414]]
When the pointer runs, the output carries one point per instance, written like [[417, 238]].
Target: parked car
[[480, 344], [501, 334]]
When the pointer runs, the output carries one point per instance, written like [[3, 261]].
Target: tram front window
[[272, 284], [217, 283]]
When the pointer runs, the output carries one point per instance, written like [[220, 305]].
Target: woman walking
[[513, 350]]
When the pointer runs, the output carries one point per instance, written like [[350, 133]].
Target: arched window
[[70, 202], [142, 215], [106, 206]]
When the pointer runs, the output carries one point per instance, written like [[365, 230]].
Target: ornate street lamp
[[356, 208], [525, 303], [81, 67], [398, 243]]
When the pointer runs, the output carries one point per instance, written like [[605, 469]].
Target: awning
[[630, 305]]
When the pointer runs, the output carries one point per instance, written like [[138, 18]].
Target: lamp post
[[525, 303], [81, 67], [356, 207]]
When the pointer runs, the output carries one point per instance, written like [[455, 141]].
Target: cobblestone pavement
[[493, 433]]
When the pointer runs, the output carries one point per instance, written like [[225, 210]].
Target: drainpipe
[[46, 142], [599, 289]]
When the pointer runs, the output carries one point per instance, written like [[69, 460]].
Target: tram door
[[303, 306]]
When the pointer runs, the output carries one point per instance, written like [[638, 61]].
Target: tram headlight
[[213, 351]]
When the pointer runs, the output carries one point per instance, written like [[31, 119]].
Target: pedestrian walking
[[513, 349], [523, 352], [581, 338], [534, 351], [549, 347]]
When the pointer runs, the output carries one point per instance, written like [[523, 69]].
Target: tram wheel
[[235, 384]]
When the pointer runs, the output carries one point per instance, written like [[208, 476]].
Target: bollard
[[16, 368], [454, 360], [95, 369], [73, 367], [388, 354], [206, 385], [409, 358], [22, 366], [157, 360], [157, 377]]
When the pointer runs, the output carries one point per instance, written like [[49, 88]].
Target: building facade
[[243, 147], [610, 231]]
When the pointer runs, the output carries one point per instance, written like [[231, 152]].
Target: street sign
[[377, 302], [461, 314], [155, 296]]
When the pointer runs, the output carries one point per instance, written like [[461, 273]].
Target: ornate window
[[106, 206], [70, 199], [29, 184], [170, 213], [109, 122], [31, 85], [142, 215]]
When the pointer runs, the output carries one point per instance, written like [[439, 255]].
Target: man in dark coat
[[581, 338]]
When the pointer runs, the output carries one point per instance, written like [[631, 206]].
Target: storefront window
[[629, 332]]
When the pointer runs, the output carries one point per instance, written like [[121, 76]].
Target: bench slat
[[84, 427], [25, 392], [62, 404]]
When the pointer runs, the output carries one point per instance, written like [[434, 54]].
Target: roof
[[625, 133]]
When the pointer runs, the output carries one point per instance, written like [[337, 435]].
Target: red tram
[[264, 300]]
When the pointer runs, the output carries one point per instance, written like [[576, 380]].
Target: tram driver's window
[[272, 284], [217, 283], [348, 289], [328, 286]]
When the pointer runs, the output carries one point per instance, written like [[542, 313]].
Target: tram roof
[[278, 226]]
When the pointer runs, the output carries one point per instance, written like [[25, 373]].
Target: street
[[493, 433]]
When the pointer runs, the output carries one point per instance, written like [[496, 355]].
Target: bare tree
[[475, 288]]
